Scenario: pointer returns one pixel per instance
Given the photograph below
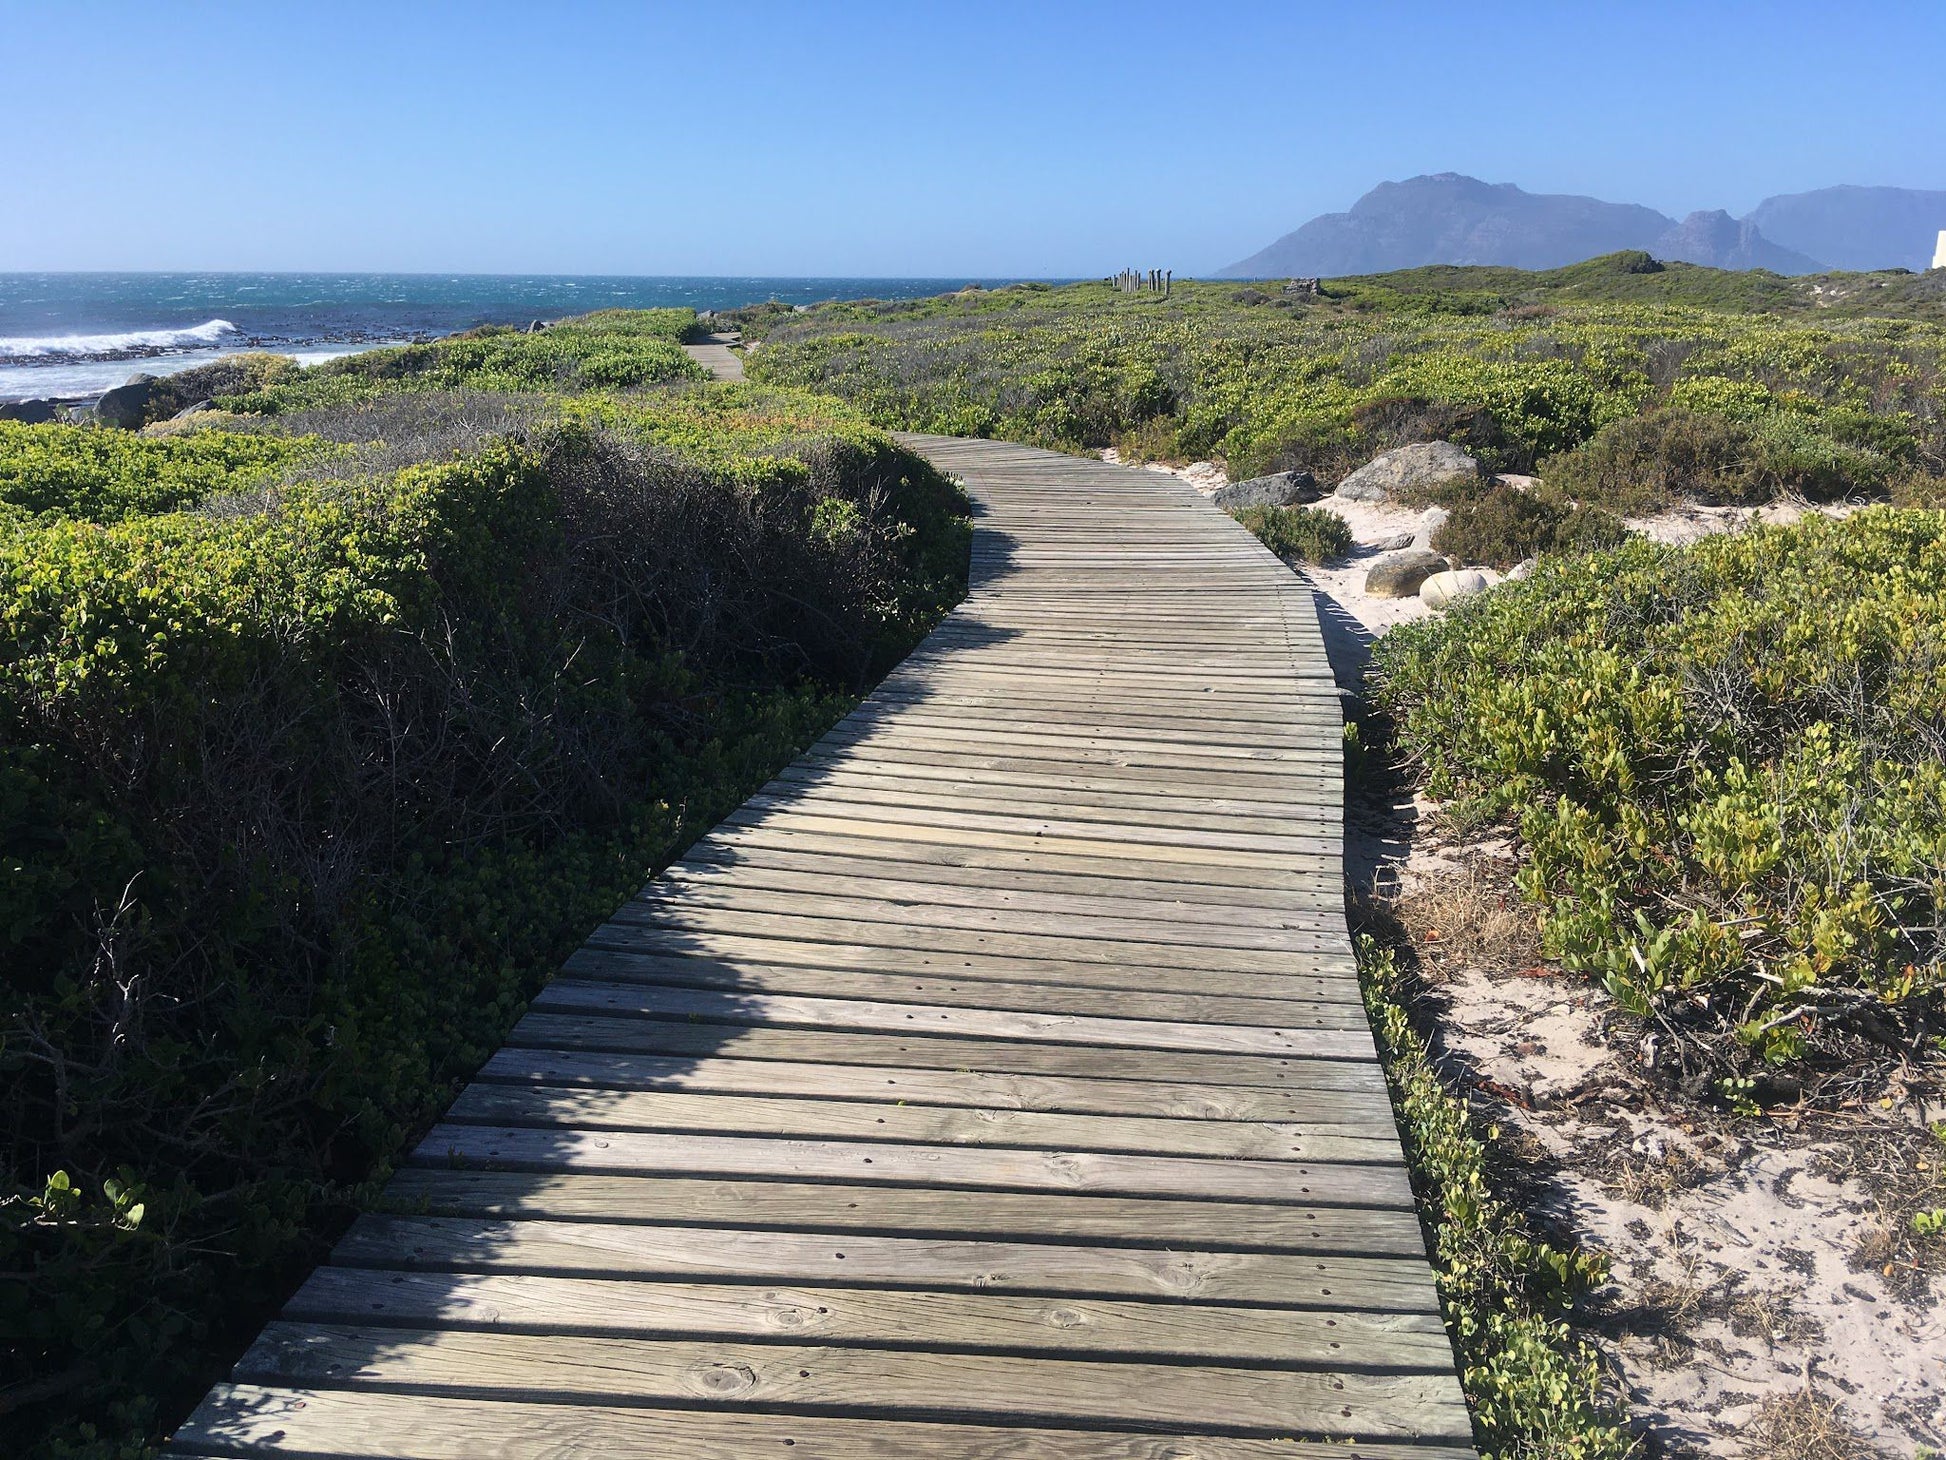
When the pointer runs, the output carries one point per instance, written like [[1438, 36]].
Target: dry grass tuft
[[1806, 1425], [1902, 1168], [1470, 919]]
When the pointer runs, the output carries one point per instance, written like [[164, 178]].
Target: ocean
[[75, 335]]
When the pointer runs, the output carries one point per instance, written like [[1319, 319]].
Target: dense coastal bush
[[1748, 392], [1726, 764], [1499, 525], [312, 769], [1299, 534], [608, 350], [233, 375], [77, 472]]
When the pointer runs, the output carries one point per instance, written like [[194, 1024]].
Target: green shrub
[[1535, 1390], [231, 376], [1725, 765], [1646, 463], [1651, 462], [1516, 367], [83, 472], [607, 350], [1303, 534], [304, 790], [1502, 526]]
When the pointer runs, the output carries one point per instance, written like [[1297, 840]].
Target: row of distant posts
[[1135, 281]]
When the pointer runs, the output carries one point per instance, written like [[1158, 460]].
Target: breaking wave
[[114, 347]]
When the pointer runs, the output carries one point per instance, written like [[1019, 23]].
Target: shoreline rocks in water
[[1422, 464]]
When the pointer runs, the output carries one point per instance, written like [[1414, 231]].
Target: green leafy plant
[[1302, 534], [1501, 526], [1723, 764], [319, 751], [1535, 1389]]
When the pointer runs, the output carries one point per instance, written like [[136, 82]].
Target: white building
[[1939, 251]]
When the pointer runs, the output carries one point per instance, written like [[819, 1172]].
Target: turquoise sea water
[[78, 334]]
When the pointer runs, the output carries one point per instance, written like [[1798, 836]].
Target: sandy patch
[[1204, 476], [1692, 523]]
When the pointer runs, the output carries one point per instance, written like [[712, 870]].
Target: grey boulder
[[194, 408], [1423, 464], [125, 406], [29, 412], [1443, 590], [1280, 489], [1394, 541], [1398, 575], [1433, 519]]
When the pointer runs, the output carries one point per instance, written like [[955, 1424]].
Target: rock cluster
[[1398, 575], [1280, 489], [30, 412], [125, 406], [1422, 464]]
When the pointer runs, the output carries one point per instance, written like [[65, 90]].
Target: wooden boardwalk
[[717, 357], [993, 1084]]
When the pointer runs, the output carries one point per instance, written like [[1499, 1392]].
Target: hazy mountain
[[1722, 242], [1857, 228], [1451, 219], [1448, 218]]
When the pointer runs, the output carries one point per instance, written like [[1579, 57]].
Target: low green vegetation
[[1499, 525], [1625, 384], [1299, 534], [1535, 1390], [54, 472], [1726, 768], [609, 350], [327, 727]]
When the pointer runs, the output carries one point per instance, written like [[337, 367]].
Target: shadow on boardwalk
[[993, 1082]]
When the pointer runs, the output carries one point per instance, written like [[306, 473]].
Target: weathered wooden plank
[[956, 883], [1238, 998], [345, 1424], [1315, 1037], [1285, 874], [1215, 847], [1366, 1137], [1120, 925], [621, 1251], [699, 1036], [518, 1303], [981, 1387], [1313, 799], [756, 966], [922, 1087], [640, 1153], [745, 1204], [1022, 935]]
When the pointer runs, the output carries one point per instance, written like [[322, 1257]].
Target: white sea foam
[[135, 342]]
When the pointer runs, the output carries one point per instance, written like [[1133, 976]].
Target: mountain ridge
[[1451, 218]]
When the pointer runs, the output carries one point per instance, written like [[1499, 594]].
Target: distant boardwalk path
[[718, 358], [993, 1084]]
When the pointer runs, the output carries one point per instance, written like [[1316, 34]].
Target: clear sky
[[865, 138]]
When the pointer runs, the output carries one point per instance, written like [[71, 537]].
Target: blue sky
[[875, 138]]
